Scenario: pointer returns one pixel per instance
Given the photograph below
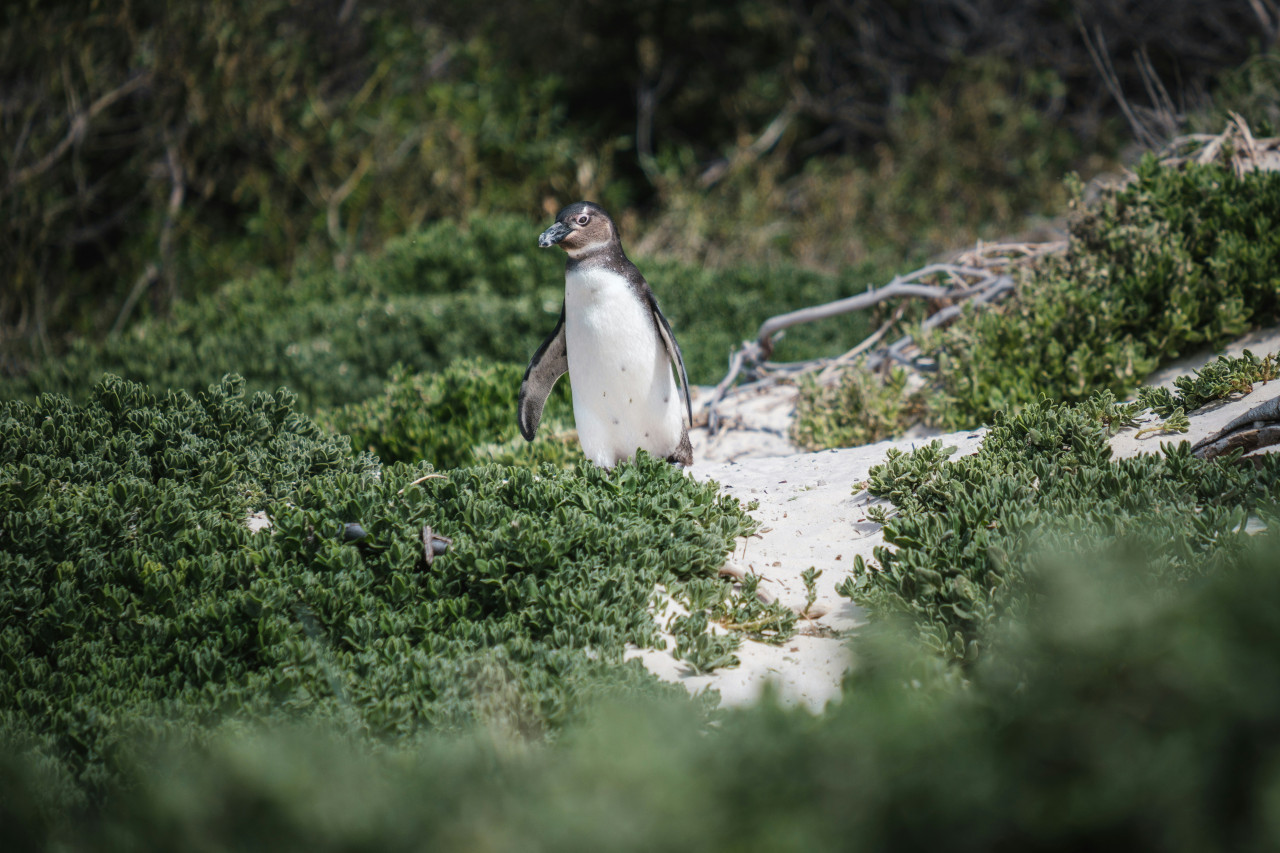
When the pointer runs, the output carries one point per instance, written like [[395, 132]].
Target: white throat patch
[[586, 250]]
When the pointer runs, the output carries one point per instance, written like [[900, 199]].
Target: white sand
[[811, 516]]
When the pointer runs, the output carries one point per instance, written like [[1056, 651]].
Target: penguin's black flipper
[[548, 364], [673, 351]]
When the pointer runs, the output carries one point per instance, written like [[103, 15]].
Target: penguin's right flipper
[[548, 364]]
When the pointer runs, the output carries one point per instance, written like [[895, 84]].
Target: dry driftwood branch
[[871, 340], [1236, 147], [980, 281], [905, 285], [1258, 427], [1002, 255]]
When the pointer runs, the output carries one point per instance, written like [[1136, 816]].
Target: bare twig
[[177, 193], [1165, 114], [150, 275], [1002, 255], [423, 479], [339, 195], [868, 342], [735, 366], [757, 149], [1102, 61], [1268, 15], [1243, 151], [649, 92], [157, 271], [76, 130]]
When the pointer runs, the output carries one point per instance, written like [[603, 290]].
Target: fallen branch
[[954, 283], [1236, 147], [1256, 428]]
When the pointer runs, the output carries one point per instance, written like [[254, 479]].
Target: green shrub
[[331, 337], [444, 293], [463, 415], [1176, 260], [967, 533], [862, 408], [136, 600], [1222, 377], [1141, 715]]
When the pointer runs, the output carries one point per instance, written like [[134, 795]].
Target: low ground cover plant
[[966, 537], [170, 679], [1123, 710], [462, 415], [135, 601]]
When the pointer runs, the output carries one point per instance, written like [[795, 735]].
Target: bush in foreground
[[1142, 715], [134, 600]]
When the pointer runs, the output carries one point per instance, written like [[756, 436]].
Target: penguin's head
[[580, 229]]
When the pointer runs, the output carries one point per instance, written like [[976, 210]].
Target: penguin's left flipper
[[673, 352], [548, 364]]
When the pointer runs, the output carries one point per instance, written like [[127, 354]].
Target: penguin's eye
[[583, 219]]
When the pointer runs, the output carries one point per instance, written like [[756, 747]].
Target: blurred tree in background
[[151, 150]]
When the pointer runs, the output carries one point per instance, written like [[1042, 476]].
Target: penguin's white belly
[[624, 393]]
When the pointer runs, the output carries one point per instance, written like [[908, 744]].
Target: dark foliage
[[156, 149], [862, 56]]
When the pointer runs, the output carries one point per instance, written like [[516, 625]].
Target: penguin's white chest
[[624, 393]]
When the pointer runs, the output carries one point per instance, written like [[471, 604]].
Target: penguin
[[616, 346]]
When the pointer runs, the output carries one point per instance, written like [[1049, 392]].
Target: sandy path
[[811, 516]]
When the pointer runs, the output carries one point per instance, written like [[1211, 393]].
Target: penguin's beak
[[554, 235]]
